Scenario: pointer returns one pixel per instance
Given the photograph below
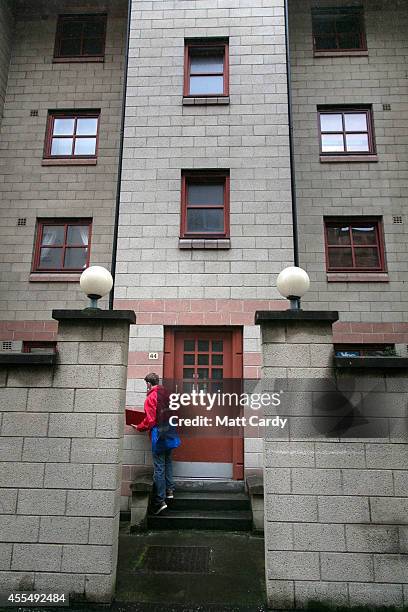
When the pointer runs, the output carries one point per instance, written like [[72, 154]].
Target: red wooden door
[[198, 358]]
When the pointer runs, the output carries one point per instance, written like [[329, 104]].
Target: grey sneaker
[[162, 506], [169, 494]]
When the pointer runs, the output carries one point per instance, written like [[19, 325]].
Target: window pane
[[331, 123], [92, 46], [85, 146], [357, 142], [188, 359], [75, 258], [87, 126], [206, 85], [203, 346], [94, 28], [332, 143], [61, 146], [338, 235], [350, 23], [63, 127], [355, 122], [216, 373], [71, 28], [364, 235], [188, 372], [202, 373], [209, 63], [323, 24], [217, 346], [70, 47], [51, 258], [77, 234], [349, 41], [189, 345], [53, 234], [206, 194], [217, 360], [203, 359], [205, 220], [340, 258], [367, 258], [326, 42]]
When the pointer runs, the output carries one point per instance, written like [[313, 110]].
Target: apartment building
[[205, 223]]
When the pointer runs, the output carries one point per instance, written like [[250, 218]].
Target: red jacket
[[156, 407]]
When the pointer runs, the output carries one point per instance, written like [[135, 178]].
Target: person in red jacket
[[156, 408]]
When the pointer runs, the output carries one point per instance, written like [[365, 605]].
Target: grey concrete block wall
[[249, 137], [61, 447], [335, 516], [6, 32], [355, 188], [28, 189]]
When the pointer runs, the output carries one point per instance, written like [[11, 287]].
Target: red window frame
[[335, 13], [348, 111], [361, 222], [364, 350], [53, 115], [67, 223], [28, 345], [83, 19], [205, 44], [204, 177]]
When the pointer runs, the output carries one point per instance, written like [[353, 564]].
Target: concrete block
[[330, 593], [311, 481], [100, 400], [37, 557], [112, 377], [74, 331], [64, 530], [16, 581], [104, 530], [8, 501], [72, 425], [389, 510], [24, 424], [375, 595], [13, 400], [50, 400], [289, 454], [116, 332], [46, 449], [70, 584], [340, 455], [41, 502], [309, 333], [387, 456], [104, 353], [372, 538], [292, 508], [91, 503], [277, 480], [316, 536], [99, 588], [106, 476], [400, 482], [87, 559], [278, 536], [367, 482], [68, 353], [391, 568], [289, 565], [37, 376], [68, 476], [351, 567], [11, 449], [21, 475], [99, 450], [273, 333], [110, 425], [287, 355], [343, 509], [76, 377], [280, 594], [5, 556]]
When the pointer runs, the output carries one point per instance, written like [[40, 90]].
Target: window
[[37, 346], [346, 131], [72, 135], [365, 350], [62, 246], [80, 38], [338, 29], [205, 205], [354, 245], [206, 68]]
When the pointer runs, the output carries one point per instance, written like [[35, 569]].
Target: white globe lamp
[[293, 283], [96, 282]]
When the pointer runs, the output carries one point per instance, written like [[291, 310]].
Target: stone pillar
[[335, 503], [61, 447]]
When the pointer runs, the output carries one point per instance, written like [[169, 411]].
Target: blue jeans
[[163, 474]]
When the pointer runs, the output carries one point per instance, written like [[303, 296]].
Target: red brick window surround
[[338, 30], [346, 131], [206, 68], [354, 245], [72, 135], [205, 204], [80, 38], [62, 245]]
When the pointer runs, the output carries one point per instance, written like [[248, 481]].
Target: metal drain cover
[[178, 559]]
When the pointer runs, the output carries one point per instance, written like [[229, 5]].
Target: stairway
[[206, 504]]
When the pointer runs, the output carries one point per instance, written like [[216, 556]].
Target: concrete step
[[209, 484], [226, 520], [211, 500]]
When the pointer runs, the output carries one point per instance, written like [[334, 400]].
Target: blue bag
[[164, 437]]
